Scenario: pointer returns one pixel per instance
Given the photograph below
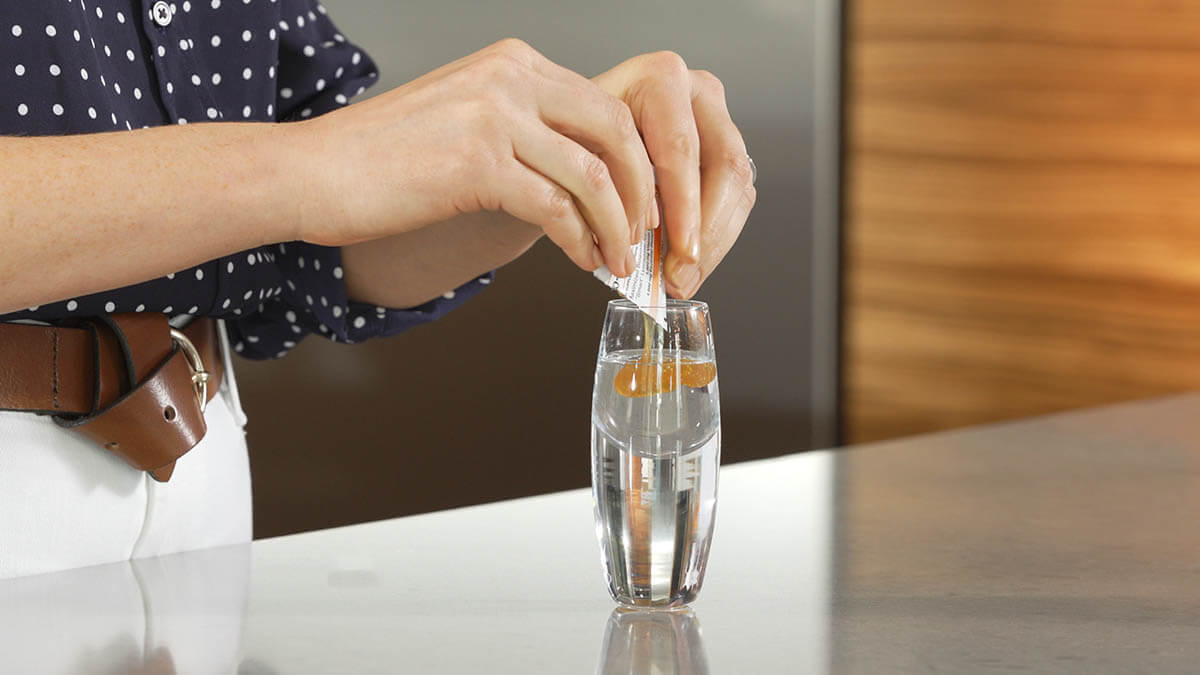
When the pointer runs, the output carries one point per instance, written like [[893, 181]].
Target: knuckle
[[683, 143], [558, 204], [500, 66], [622, 120], [710, 83], [669, 63], [515, 47], [738, 164], [595, 174]]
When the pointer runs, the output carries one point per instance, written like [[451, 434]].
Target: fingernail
[[681, 273], [674, 268], [691, 247], [689, 278], [641, 233], [655, 213], [630, 263], [597, 258]]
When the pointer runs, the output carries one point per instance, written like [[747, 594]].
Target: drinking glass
[[656, 446]]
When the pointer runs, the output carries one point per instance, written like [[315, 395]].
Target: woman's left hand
[[705, 179]]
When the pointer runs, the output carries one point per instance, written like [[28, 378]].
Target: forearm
[[410, 269], [80, 214]]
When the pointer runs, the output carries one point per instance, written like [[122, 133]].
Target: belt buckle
[[199, 374]]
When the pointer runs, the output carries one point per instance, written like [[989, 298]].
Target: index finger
[[663, 109], [726, 176], [582, 110]]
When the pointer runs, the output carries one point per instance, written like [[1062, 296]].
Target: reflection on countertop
[[1066, 543], [652, 641], [164, 616], [510, 587]]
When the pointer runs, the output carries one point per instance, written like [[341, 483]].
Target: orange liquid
[[696, 374], [645, 377]]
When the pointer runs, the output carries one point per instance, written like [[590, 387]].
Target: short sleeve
[[314, 300], [319, 70]]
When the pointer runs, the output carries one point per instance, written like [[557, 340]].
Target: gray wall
[[443, 416]]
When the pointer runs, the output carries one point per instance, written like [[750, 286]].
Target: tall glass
[[656, 446]]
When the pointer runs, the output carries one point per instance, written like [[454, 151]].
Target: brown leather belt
[[128, 382]]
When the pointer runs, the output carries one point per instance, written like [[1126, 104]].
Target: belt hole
[[169, 413], [112, 445]]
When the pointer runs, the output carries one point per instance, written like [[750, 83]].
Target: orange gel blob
[[697, 374], [646, 377], [643, 378]]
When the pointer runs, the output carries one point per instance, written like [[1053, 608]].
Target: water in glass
[[656, 438]]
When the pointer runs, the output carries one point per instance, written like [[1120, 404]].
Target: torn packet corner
[[644, 287]]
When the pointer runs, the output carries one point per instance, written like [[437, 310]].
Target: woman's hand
[[503, 129], [704, 175]]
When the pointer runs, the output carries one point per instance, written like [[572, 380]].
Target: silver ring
[[753, 170]]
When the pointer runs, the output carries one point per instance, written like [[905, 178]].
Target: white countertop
[[1068, 543]]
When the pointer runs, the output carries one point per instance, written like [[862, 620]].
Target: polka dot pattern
[[87, 66], [277, 326], [112, 57]]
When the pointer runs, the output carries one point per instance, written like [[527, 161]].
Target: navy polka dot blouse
[[84, 66]]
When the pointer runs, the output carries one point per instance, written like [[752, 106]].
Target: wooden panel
[[1022, 208]]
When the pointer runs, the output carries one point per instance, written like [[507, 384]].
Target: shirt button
[[161, 12]]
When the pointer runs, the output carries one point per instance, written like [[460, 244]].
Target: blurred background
[[969, 211], [1021, 232], [493, 401], [1022, 208]]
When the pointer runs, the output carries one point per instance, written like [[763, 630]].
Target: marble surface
[[1063, 544]]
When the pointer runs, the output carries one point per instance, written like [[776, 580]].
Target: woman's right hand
[[503, 129]]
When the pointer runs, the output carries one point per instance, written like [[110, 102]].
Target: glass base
[[643, 604], [625, 608]]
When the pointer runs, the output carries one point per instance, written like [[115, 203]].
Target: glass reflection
[[164, 616], [666, 642]]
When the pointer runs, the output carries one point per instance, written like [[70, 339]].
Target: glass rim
[[673, 305]]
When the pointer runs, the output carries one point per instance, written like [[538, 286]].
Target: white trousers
[[65, 502]]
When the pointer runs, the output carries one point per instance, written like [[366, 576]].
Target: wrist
[[297, 180]]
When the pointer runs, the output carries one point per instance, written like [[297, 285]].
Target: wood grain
[[1022, 202]]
